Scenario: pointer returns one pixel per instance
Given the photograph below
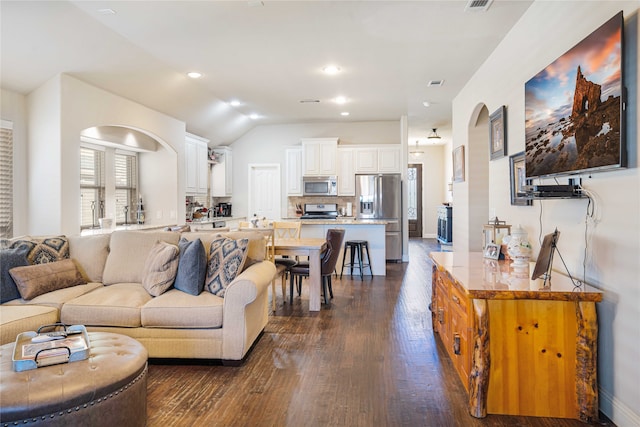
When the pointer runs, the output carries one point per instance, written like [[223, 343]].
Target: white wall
[[14, 109], [58, 111], [266, 144], [546, 31]]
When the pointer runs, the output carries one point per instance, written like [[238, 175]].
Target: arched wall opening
[[478, 175]]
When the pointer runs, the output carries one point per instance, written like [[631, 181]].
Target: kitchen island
[[371, 230]]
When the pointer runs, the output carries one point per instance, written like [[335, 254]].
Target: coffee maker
[[223, 209]]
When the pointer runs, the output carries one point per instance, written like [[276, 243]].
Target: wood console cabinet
[[519, 348]]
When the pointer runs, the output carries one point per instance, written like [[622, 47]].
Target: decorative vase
[[519, 248]]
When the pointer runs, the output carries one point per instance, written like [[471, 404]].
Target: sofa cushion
[[10, 258], [16, 319], [226, 258], [115, 305], [128, 254], [192, 267], [34, 280], [160, 268], [43, 250], [90, 253], [57, 298], [176, 309]]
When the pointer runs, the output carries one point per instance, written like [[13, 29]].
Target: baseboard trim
[[621, 414]]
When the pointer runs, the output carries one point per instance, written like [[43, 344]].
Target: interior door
[[264, 191], [414, 205]]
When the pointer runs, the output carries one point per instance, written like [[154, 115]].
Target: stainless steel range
[[320, 211]]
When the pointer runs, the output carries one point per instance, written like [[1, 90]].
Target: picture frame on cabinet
[[518, 180], [458, 164], [498, 133], [492, 251]]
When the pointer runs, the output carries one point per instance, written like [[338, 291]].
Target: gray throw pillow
[[10, 258], [192, 267]]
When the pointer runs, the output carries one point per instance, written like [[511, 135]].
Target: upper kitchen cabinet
[[196, 167], [319, 156], [346, 171], [378, 159], [221, 173], [293, 159]]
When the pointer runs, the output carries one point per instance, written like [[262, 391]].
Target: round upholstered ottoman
[[107, 389]]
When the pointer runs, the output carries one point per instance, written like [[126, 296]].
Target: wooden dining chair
[[287, 229], [335, 237]]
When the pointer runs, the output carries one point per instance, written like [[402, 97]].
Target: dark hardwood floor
[[370, 358]]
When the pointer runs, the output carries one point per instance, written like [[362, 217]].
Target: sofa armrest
[[246, 309]]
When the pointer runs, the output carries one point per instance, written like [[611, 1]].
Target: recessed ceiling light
[[254, 116], [194, 74], [234, 103], [344, 113], [331, 69], [340, 100], [106, 11], [426, 104]]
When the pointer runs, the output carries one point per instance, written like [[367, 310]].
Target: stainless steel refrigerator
[[379, 196]]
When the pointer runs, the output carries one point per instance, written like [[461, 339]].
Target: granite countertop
[[217, 219], [345, 221]]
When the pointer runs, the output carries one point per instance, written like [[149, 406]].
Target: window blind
[[126, 177], [92, 187], [6, 179]]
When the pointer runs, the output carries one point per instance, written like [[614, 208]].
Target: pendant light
[[433, 135], [417, 152]]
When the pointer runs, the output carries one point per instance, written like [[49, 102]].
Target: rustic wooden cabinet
[[519, 348]]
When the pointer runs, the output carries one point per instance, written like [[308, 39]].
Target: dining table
[[312, 248]]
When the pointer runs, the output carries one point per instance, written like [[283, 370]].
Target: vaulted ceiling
[[268, 55]]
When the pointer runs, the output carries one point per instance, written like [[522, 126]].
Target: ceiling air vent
[[435, 83], [478, 5]]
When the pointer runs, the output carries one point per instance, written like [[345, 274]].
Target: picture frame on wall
[[498, 133], [458, 164], [518, 180]]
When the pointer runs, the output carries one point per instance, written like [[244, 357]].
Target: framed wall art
[[498, 133], [518, 180], [458, 164]]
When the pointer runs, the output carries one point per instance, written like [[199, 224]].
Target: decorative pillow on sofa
[[45, 250], [10, 258], [34, 280], [160, 268], [226, 258], [192, 267]]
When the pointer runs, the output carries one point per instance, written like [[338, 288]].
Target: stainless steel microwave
[[320, 186]]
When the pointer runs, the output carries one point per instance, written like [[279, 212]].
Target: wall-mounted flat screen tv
[[574, 108]]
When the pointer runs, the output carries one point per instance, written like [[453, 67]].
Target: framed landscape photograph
[[518, 180], [458, 164], [498, 133]]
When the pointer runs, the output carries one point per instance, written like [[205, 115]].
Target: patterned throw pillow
[[41, 251], [226, 259], [160, 268]]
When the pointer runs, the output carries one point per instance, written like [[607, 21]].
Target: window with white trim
[[92, 186], [126, 174], [6, 179]]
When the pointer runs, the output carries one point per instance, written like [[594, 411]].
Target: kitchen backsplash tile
[[340, 200]]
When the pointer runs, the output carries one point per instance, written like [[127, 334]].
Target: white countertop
[[345, 221]]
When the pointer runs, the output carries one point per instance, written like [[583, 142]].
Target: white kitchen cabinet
[[389, 159], [293, 181], [196, 167], [346, 171], [378, 159], [319, 156], [221, 173]]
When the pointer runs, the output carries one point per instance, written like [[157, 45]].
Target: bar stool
[[357, 250]]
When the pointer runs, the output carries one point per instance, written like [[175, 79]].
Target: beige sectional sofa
[[174, 324]]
